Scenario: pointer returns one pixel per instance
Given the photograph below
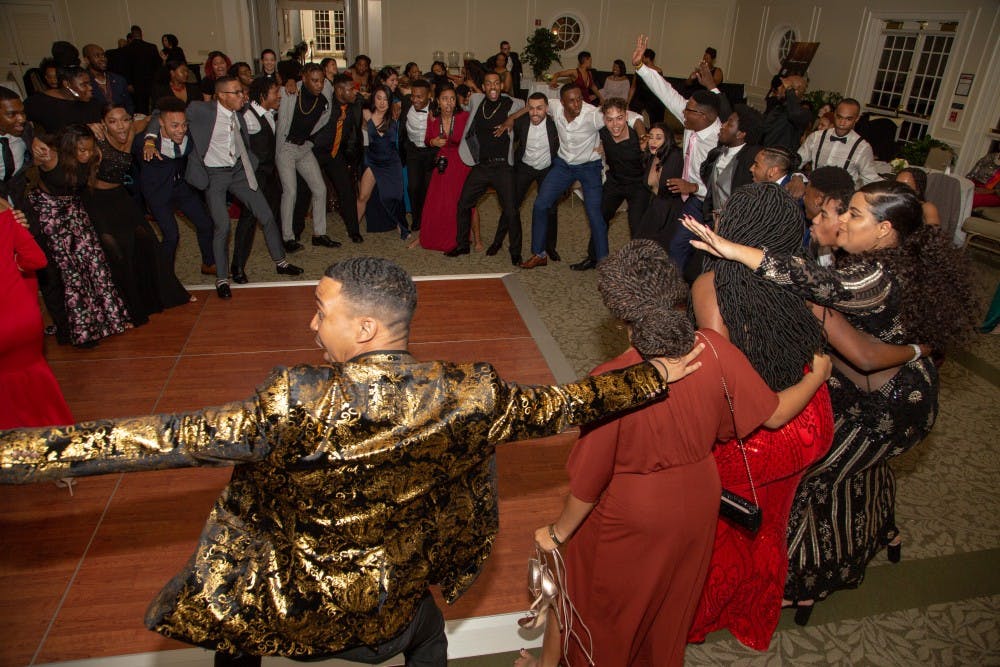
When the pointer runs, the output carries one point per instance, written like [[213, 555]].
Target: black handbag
[[733, 507]]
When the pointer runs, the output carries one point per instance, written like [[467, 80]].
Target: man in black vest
[[265, 96], [536, 143], [418, 157], [727, 166]]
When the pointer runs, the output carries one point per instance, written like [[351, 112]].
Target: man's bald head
[[96, 59]]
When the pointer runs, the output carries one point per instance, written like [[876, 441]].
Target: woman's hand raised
[[640, 48], [709, 241]]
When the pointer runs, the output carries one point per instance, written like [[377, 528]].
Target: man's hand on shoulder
[[672, 370]]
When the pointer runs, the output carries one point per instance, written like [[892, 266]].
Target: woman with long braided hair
[[779, 335], [899, 280]]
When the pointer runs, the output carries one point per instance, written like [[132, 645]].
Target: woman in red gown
[[644, 488], [29, 393], [778, 334], [439, 220]]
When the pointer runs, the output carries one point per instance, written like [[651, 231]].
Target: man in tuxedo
[[418, 157], [16, 135], [109, 88], [299, 117], [513, 66], [727, 166], [840, 146], [162, 183], [536, 144], [487, 148], [259, 115], [220, 162], [143, 61]]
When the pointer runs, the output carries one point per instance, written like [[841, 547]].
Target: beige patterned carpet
[[940, 606]]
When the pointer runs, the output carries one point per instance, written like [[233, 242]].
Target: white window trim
[[777, 34], [584, 31]]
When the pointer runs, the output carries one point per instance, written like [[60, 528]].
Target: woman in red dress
[[29, 393], [644, 489], [439, 221]]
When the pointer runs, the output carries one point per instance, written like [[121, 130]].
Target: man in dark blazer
[[109, 88], [143, 61], [221, 163], [418, 157], [164, 188], [513, 66], [536, 143], [727, 166], [16, 135]]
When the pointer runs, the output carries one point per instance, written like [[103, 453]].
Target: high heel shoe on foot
[[894, 551]]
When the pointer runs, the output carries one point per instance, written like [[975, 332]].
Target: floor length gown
[[29, 393], [746, 578], [439, 220], [386, 209], [636, 565], [661, 219]]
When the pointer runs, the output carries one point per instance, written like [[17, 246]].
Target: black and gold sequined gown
[[355, 487], [844, 508]]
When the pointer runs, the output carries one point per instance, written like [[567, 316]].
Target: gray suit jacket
[[463, 149], [287, 110]]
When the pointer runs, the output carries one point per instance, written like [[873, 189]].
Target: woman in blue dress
[[380, 194]]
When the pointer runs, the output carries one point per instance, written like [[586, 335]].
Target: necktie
[[686, 174], [340, 130], [8, 158], [842, 140], [178, 151], [241, 152]]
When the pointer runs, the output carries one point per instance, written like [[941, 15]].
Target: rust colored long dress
[[636, 566]]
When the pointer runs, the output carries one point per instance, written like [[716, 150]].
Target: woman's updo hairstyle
[[897, 203]]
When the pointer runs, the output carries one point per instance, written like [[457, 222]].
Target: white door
[[27, 32]]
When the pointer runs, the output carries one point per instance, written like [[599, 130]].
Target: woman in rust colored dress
[[644, 488]]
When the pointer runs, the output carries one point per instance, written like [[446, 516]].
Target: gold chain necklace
[[313, 107], [499, 104]]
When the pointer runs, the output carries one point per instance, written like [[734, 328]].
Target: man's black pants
[[500, 176]]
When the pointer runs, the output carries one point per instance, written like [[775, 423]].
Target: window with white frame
[[321, 25], [339, 33], [568, 31]]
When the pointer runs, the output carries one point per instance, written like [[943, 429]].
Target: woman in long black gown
[[380, 193], [663, 161]]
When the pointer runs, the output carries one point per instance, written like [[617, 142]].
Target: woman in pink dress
[[439, 224]]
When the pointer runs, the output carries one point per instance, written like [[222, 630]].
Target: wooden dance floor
[[76, 573]]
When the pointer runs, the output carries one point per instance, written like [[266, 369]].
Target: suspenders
[[822, 142]]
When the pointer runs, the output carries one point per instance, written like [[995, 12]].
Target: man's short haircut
[[851, 101], [311, 67], [342, 79], [649, 53], [614, 103], [420, 83], [490, 73], [781, 157], [261, 88], [223, 80], [8, 94], [566, 88], [463, 90], [707, 101], [171, 104], [833, 183], [504, 42], [712, 52], [539, 96], [751, 123], [377, 286]]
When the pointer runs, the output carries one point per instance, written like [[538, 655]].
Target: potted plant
[[915, 152], [540, 51], [817, 98]]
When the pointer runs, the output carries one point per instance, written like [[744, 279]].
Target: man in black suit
[[143, 62], [418, 157], [16, 135], [163, 186], [727, 166], [221, 163], [513, 66], [536, 143]]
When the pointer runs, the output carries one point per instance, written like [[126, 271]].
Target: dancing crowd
[[820, 296]]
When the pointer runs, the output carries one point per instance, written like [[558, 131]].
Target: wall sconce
[[437, 56], [453, 59], [468, 55]]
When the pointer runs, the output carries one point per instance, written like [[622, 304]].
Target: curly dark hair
[[66, 142], [379, 286], [919, 178], [641, 286], [938, 303], [770, 325]]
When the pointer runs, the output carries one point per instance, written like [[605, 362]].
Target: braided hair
[[772, 327]]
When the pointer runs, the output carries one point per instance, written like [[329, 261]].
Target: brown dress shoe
[[533, 261], [208, 269]]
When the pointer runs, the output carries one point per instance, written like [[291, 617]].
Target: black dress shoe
[[357, 238], [455, 252], [515, 260], [585, 265], [289, 270], [292, 246], [493, 249], [222, 289], [553, 255], [325, 241], [240, 277]]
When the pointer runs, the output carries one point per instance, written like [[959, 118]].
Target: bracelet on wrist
[[916, 352], [552, 535]]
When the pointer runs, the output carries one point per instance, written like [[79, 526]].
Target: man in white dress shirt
[[842, 147], [418, 157]]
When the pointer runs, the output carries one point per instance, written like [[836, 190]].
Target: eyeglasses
[[230, 92], [696, 111]]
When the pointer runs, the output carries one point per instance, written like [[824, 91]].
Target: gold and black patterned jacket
[[355, 487]]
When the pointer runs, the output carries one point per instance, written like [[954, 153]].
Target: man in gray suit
[[487, 148], [299, 118], [220, 163]]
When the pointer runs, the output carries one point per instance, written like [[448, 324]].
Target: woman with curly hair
[[899, 280], [639, 520]]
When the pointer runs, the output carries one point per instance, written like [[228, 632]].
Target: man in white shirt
[[842, 147], [418, 157], [578, 126]]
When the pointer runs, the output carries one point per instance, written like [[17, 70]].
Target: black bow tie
[[842, 140], [420, 110]]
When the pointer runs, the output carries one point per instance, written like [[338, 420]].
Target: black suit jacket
[[351, 140], [143, 61], [521, 126], [516, 70], [158, 176], [741, 176], [405, 144]]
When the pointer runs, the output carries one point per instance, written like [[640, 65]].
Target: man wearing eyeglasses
[[221, 163]]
